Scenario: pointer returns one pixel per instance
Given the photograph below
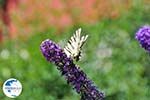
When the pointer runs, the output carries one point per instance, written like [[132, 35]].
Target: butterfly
[[74, 45]]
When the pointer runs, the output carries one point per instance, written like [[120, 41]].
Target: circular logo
[[12, 88]]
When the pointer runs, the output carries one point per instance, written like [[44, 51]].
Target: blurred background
[[112, 57]]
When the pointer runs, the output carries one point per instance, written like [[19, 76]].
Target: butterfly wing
[[74, 45]]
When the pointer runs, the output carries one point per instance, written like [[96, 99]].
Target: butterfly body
[[77, 57], [74, 45]]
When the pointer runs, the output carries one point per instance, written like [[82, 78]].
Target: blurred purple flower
[[143, 36], [74, 76]]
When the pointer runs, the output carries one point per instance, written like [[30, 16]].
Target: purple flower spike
[[143, 36], [74, 76]]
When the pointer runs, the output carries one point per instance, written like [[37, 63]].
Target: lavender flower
[[72, 73], [143, 36]]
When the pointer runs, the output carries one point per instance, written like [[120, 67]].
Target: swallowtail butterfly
[[74, 45]]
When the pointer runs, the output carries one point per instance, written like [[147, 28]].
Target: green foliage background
[[112, 58]]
